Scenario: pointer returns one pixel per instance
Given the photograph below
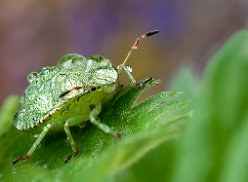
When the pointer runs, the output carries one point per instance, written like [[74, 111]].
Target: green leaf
[[213, 146], [101, 157], [9, 108]]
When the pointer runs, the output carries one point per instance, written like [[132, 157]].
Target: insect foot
[[142, 83], [116, 134], [22, 158], [70, 156]]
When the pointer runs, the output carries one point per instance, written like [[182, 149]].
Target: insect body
[[70, 93]]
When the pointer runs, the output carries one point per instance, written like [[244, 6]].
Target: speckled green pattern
[[42, 100]]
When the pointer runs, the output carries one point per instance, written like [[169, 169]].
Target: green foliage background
[[161, 142]]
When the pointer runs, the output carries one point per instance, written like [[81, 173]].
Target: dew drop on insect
[[33, 76]]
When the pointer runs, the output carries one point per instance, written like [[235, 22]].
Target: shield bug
[[70, 94]]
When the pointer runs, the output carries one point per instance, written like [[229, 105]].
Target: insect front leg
[[95, 111], [35, 145], [128, 71]]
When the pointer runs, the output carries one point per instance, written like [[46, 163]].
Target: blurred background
[[35, 34]]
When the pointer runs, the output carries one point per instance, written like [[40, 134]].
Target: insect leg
[[35, 145], [96, 121], [128, 72], [136, 84], [71, 122]]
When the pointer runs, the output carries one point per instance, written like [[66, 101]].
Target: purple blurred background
[[35, 34]]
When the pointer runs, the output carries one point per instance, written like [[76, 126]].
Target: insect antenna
[[134, 46]]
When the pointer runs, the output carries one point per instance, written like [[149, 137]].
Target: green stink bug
[[70, 94]]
